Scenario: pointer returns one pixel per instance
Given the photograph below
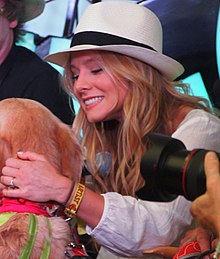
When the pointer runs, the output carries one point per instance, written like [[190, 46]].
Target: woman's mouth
[[93, 100]]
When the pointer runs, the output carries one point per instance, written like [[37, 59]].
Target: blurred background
[[191, 36]]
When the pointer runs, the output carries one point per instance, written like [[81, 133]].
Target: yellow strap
[[47, 243], [81, 227], [33, 227], [4, 217]]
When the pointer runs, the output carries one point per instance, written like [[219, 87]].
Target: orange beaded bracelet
[[71, 210]]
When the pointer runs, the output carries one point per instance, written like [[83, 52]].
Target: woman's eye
[[96, 71]]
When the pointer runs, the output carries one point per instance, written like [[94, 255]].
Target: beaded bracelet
[[71, 210]]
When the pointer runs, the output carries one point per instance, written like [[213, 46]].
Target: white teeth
[[93, 100]]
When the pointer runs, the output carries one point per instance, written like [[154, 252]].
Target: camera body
[[170, 170]]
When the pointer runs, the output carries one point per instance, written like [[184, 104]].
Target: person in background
[[23, 74], [206, 208], [126, 90]]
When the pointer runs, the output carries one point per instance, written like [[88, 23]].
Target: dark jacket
[[23, 74]]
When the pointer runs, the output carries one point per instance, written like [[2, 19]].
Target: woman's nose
[[82, 83]]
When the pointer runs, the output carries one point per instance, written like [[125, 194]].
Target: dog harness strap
[[47, 243], [33, 227], [4, 217], [23, 206]]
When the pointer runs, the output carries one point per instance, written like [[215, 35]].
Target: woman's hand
[[34, 179]]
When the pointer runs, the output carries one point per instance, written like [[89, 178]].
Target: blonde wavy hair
[[150, 103]]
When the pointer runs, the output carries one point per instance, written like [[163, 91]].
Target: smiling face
[[95, 90]]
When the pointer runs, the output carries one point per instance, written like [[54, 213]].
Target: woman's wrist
[[63, 189], [70, 195]]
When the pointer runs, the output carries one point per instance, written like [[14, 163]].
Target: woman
[[124, 84]]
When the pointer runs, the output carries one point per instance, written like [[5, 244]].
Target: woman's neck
[[178, 117]]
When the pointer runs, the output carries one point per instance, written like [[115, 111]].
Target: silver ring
[[12, 185]]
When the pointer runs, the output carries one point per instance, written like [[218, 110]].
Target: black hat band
[[103, 39]]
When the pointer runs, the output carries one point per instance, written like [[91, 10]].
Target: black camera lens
[[169, 170]]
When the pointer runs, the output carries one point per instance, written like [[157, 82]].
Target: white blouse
[[129, 225]]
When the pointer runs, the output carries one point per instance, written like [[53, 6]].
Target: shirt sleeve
[[199, 130], [129, 225]]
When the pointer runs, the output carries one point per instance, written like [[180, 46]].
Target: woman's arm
[[39, 181], [122, 224]]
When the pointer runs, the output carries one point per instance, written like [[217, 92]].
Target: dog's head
[[27, 125]]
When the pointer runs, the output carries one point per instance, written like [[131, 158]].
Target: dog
[[27, 125]]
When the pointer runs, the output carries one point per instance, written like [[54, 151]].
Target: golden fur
[[28, 125]]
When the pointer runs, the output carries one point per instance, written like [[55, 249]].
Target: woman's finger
[[9, 171], [14, 193], [8, 180], [31, 156]]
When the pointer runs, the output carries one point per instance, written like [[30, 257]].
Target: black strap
[[103, 39]]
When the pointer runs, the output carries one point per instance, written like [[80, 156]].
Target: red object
[[190, 249], [22, 206]]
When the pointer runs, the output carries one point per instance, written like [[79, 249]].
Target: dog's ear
[[70, 153], [5, 152]]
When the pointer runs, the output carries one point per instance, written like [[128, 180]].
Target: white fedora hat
[[32, 9], [121, 27]]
